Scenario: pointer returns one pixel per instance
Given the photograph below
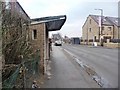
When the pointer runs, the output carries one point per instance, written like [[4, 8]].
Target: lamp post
[[100, 25]]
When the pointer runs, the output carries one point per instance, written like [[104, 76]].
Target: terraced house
[[109, 30]]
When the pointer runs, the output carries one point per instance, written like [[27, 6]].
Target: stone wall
[[112, 45], [38, 43]]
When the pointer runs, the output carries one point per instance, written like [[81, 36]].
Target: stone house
[[15, 23], [56, 37], [91, 30]]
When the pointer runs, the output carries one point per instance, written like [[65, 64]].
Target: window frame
[[34, 34], [109, 28], [90, 29]]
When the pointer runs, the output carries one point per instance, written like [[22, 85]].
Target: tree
[[15, 43]]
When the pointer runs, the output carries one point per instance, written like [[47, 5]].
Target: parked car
[[58, 43]]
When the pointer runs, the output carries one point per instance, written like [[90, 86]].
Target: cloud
[[76, 11], [46, 7], [55, 10]]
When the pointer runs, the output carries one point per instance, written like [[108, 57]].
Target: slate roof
[[114, 20], [106, 20], [49, 18]]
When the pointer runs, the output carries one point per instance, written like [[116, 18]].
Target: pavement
[[66, 73]]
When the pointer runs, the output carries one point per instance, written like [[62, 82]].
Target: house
[[15, 8], [66, 39], [39, 35], [91, 30], [15, 29], [56, 37]]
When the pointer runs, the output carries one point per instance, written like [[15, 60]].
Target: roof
[[106, 20], [52, 22], [114, 20]]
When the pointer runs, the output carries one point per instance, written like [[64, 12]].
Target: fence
[[24, 74]]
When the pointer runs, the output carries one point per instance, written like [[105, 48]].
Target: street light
[[100, 24]]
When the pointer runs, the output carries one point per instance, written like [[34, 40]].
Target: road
[[66, 73], [103, 60]]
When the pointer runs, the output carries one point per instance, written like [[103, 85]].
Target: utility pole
[[100, 25]]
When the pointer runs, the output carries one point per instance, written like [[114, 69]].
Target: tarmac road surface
[[103, 60]]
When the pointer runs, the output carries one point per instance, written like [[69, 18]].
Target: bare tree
[[15, 42]]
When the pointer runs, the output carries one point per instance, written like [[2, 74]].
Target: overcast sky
[[76, 11]]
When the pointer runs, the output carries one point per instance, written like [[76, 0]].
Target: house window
[[95, 38], [89, 29], [34, 34], [109, 28]]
